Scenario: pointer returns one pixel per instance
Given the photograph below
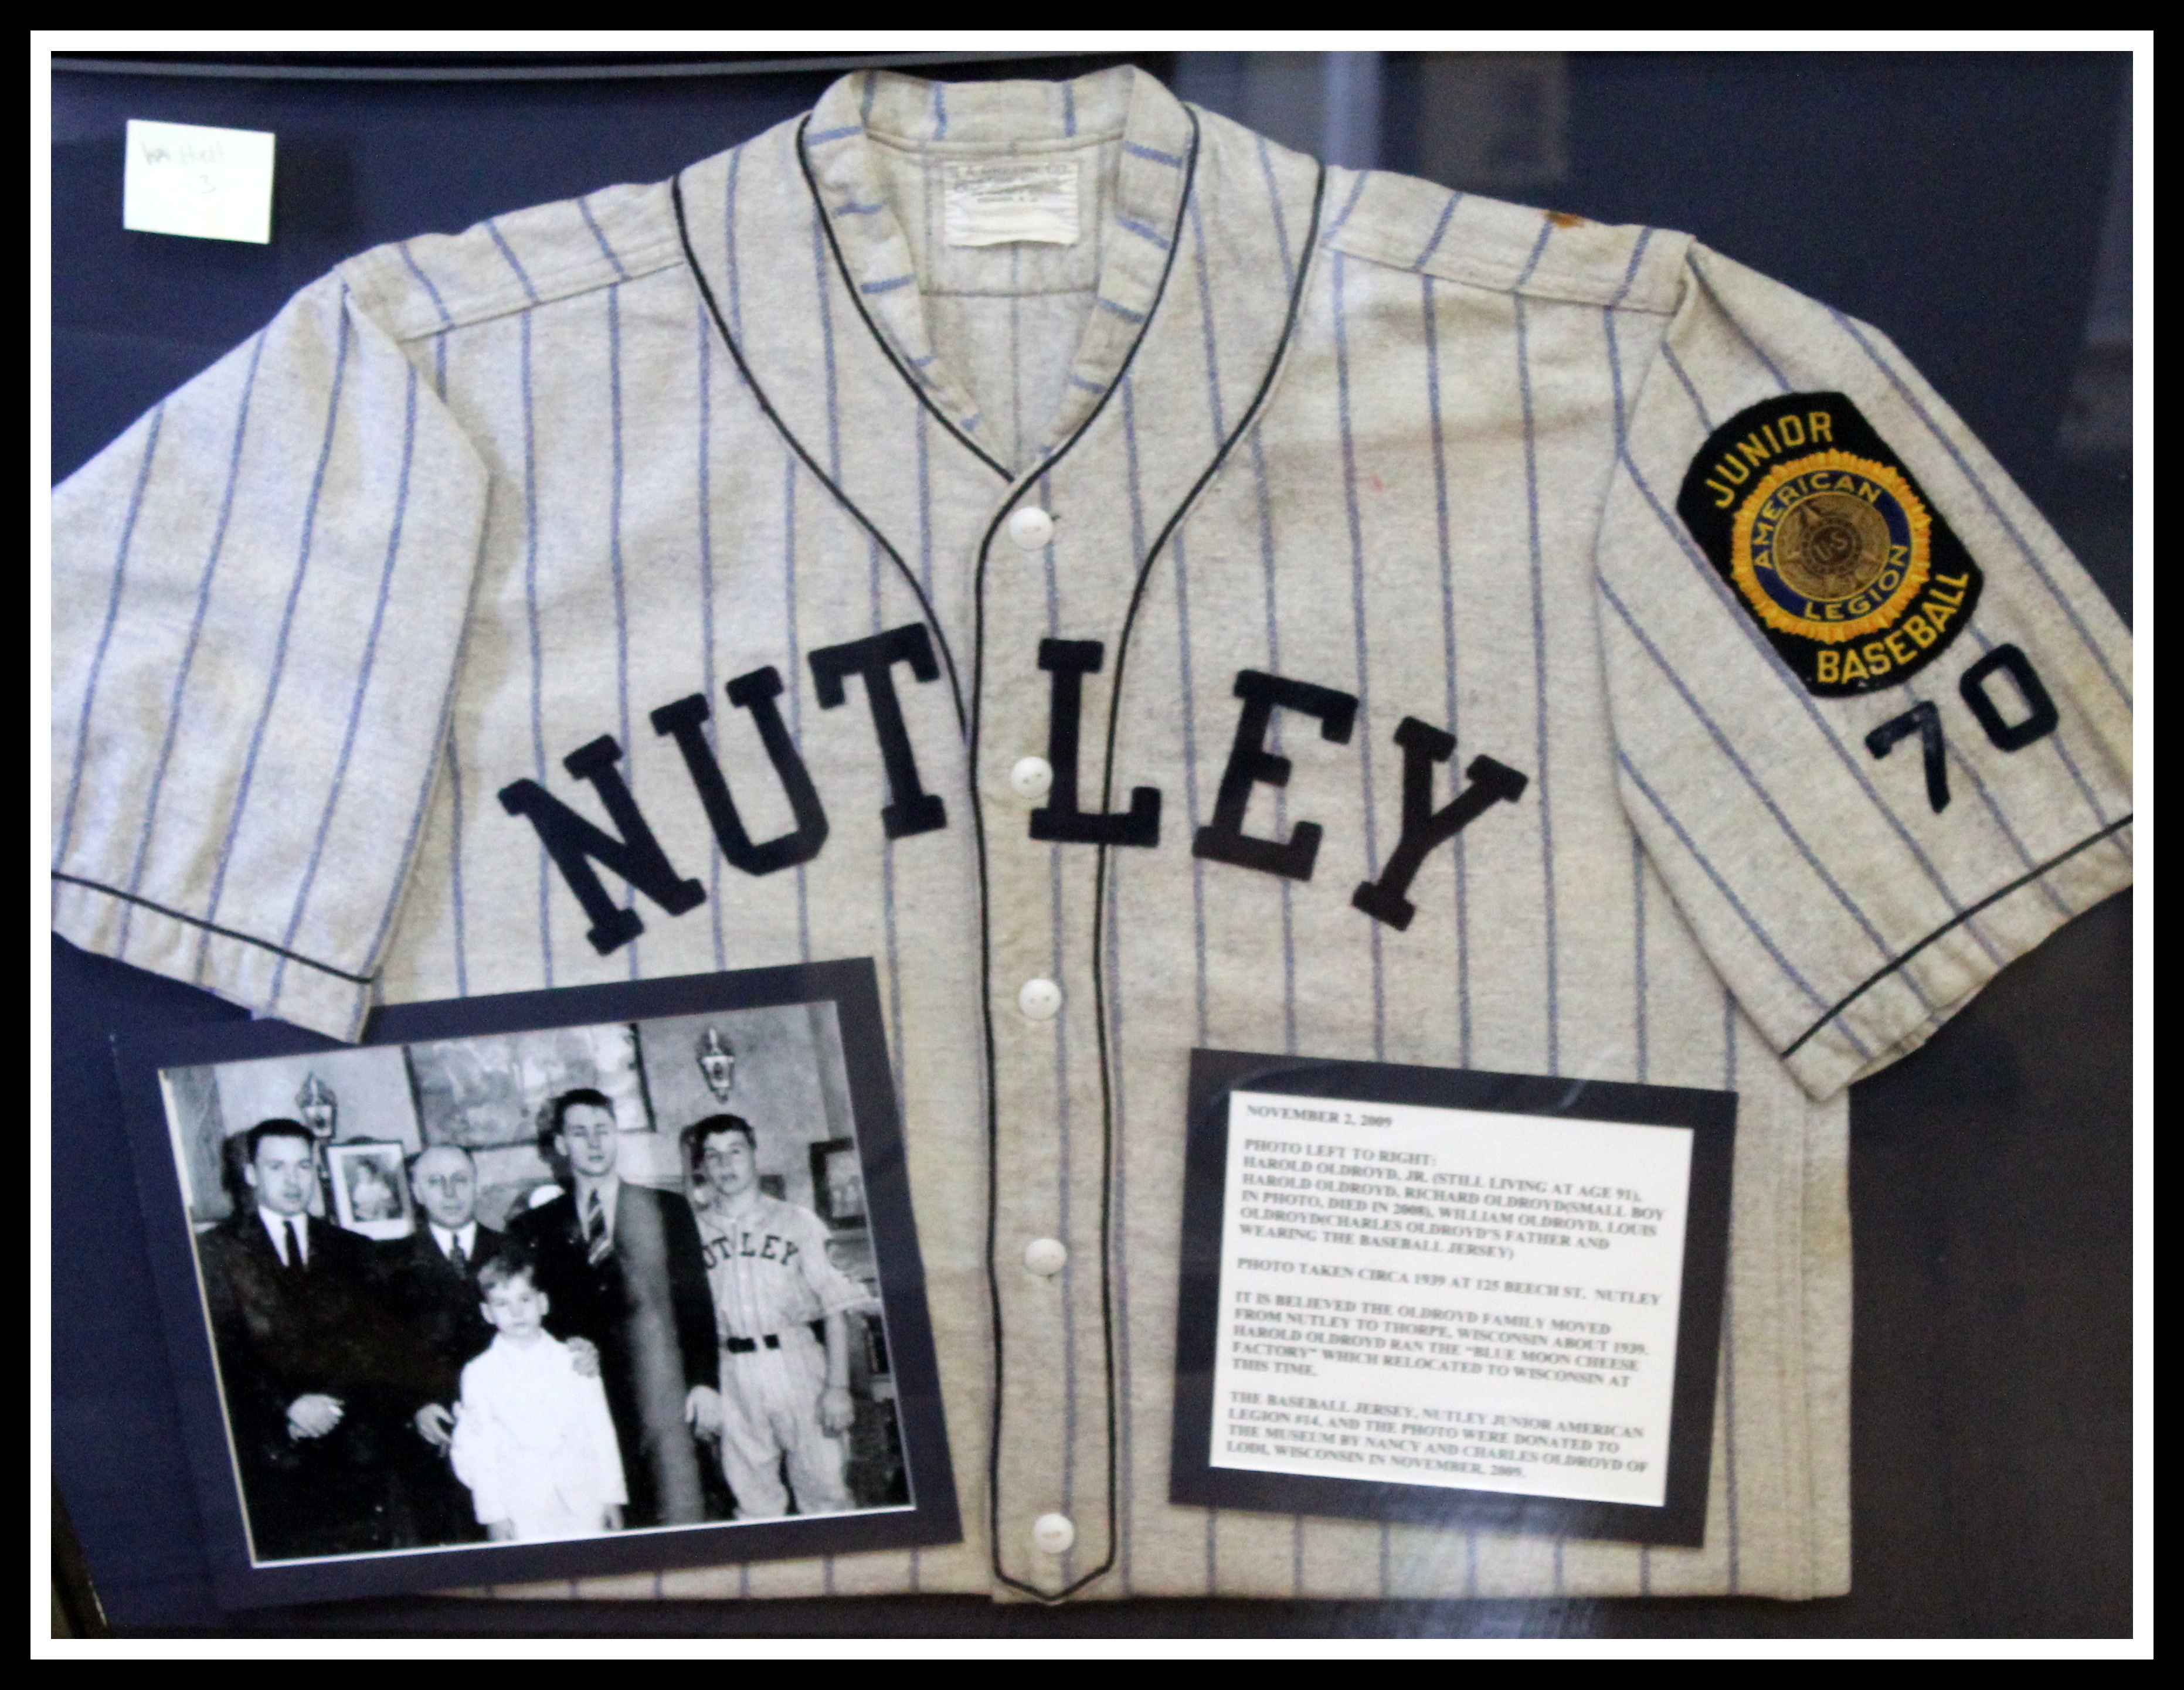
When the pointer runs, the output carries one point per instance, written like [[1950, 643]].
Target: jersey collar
[[1142, 221]]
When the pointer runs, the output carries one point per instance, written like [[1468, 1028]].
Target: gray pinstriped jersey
[[474, 502], [769, 1270]]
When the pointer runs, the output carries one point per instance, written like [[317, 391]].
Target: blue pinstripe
[[1458, 866], [1068, 110], [1729, 1313], [106, 633], [1788, 970], [1683, 375], [455, 869], [1349, 205], [1364, 729], [827, 135], [1143, 231], [1281, 798], [196, 628], [924, 506], [426, 281], [728, 225], [1440, 229], [1206, 332], [888, 286], [1545, 788], [940, 113], [515, 264], [437, 738], [362, 687], [1126, 1455], [1122, 311], [795, 667], [584, 206], [281, 640], [1138, 149], [537, 655], [1638, 956], [614, 565], [1274, 205], [705, 589]]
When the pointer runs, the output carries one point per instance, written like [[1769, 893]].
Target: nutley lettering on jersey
[[580, 846]]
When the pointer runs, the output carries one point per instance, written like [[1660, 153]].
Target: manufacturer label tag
[[992, 204]]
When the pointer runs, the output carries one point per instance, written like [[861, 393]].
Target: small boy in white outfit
[[533, 1440]]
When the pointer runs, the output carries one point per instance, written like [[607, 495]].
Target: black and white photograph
[[557, 1284]]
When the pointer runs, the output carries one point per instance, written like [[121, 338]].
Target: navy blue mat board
[[1953, 200]]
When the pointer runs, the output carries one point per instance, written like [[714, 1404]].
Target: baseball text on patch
[[1828, 543]]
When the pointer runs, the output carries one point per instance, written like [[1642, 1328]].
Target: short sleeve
[[835, 1290], [1872, 720], [259, 593]]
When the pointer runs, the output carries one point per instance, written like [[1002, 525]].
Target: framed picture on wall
[[372, 1187], [838, 1186], [378, 1264]]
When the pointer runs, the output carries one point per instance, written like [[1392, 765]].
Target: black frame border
[[933, 1516], [1711, 1116]]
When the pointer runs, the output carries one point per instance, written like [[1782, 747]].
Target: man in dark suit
[[310, 1364], [621, 1264], [429, 1281]]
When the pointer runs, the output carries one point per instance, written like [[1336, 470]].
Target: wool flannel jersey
[[553, 518]]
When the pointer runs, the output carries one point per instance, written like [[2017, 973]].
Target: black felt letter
[[914, 809], [2040, 709], [1423, 826], [1069, 661], [755, 691], [575, 844], [1925, 720], [1249, 763]]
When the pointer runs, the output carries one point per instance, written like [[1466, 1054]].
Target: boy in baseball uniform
[[781, 1395], [534, 1439]]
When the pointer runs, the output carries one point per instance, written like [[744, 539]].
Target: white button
[[1053, 1533], [1033, 777], [1040, 1000], [1030, 527], [1046, 1257]]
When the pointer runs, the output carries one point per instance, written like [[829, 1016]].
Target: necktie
[[455, 1254], [596, 1242], [296, 1259]]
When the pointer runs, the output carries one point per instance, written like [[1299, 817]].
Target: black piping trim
[[1880, 975], [986, 965], [1251, 414], [765, 405], [214, 927], [857, 298]]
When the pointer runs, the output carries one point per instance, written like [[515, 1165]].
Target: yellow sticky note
[[187, 179]]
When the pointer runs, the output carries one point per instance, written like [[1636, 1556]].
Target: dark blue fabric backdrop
[[1954, 201]]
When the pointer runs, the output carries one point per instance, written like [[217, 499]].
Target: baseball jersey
[[767, 1263], [1145, 591]]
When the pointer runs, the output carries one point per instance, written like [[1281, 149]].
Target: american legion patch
[[1828, 543]]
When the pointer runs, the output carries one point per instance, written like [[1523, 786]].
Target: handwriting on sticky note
[[188, 178]]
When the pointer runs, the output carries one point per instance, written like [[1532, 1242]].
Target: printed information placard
[[1421, 1294]]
